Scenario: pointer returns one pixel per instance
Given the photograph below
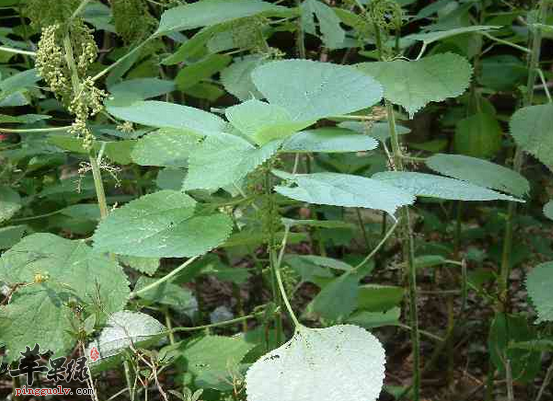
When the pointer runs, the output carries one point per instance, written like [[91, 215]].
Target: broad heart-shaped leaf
[[532, 129], [236, 78], [329, 24], [343, 190], [379, 130], [161, 224], [10, 203], [39, 312], [211, 359], [479, 172], [311, 90], [123, 330], [329, 140], [342, 362], [539, 283], [548, 210], [478, 135], [414, 84], [165, 147], [72, 263], [212, 12], [263, 122], [434, 186], [224, 160], [168, 115]]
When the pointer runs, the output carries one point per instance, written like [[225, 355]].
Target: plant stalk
[[162, 280], [409, 257], [533, 65]]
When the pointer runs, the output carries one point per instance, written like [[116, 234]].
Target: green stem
[[272, 254], [505, 42], [279, 279], [78, 10], [119, 61], [162, 280], [17, 51], [219, 324], [377, 248], [300, 39], [99, 186], [533, 65], [128, 378], [33, 130], [409, 256]]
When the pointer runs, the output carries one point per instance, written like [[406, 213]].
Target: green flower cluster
[[54, 67], [44, 13], [132, 20]]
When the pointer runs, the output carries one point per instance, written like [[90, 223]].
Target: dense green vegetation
[[219, 199]]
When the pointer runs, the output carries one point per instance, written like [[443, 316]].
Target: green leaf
[[434, 186], [329, 24], [18, 82], [166, 293], [371, 320], [71, 271], [165, 147], [336, 300], [170, 178], [548, 210], [531, 127], [211, 12], [168, 115], [539, 283], [479, 172], [343, 190], [10, 235], [423, 261], [190, 75], [379, 298], [37, 313], [85, 211], [306, 367], [161, 224], [263, 122], [211, 359], [224, 160], [205, 90], [502, 72], [329, 140], [506, 329], [414, 84], [314, 90], [236, 78], [10, 203], [431, 37], [133, 90], [123, 330], [479, 135], [72, 263], [144, 265], [323, 261], [117, 151]]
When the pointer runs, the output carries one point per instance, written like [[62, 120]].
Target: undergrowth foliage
[[256, 200]]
